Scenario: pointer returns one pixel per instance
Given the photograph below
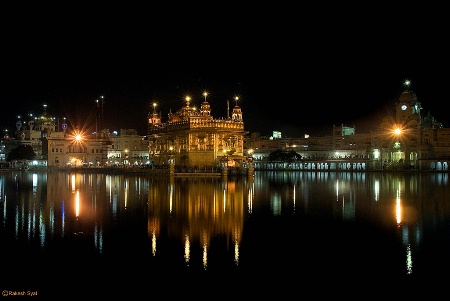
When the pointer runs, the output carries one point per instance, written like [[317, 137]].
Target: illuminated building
[[193, 137], [403, 140], [77, 149], [128, 148], [33, 131]]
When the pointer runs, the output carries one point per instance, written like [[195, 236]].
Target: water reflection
[[317, 224], [195, 211]]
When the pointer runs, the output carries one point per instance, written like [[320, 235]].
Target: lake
[[281, 234]]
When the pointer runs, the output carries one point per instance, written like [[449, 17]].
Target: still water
[[82, 234]]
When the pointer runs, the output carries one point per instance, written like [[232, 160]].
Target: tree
[[22, 152], [284, 156]]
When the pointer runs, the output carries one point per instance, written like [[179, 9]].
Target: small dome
[[408, 96]]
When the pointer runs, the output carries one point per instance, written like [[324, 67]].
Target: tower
[[407, 110]]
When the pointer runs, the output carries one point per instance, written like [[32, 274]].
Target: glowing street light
[[77, 137], [397, 131]]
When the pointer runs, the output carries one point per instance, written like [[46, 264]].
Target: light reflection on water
[[310, 223]]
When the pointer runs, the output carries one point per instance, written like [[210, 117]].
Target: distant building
[[192, 138], [77, 149], [128, 148], [403, 140]]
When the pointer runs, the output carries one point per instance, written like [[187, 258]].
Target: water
[[281, 233]]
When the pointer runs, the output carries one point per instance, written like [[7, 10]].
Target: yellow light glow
[[77, 137], [205, 256], [398, 209], [154, 242], [187, 249], [77, 203], [236, 253], [73, 182]]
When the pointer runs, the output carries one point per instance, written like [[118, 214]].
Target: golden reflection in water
[[205, 249], [250, 200], [153, 243], [205, 256], [236, 252], [153, 230], [398, 208], [376, 190], [187, 249], [224, 199], [77, 203], [404, 216], [171, 195], [73, 182], [195, 210], [250, 194]]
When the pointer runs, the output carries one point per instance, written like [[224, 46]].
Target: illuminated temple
[[192, 140], [193, 137]]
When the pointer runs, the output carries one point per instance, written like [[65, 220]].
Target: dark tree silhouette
[[284, 156], [22, 152]]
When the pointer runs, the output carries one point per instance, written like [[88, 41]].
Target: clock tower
[[407, 110]]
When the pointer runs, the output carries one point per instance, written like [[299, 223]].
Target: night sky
[[295, 74]]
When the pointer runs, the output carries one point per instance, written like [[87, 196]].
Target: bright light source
[[77, 137]]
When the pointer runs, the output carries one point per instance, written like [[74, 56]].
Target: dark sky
[[297, 73]]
